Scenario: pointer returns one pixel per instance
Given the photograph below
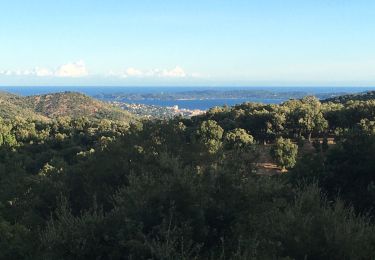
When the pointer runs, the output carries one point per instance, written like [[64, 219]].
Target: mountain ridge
[[49, 106]]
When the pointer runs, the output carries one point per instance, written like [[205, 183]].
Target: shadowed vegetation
[[81, 180]]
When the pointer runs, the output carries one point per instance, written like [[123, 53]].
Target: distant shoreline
[[201, 98]]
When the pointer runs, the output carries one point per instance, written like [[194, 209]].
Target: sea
[[201, 104]]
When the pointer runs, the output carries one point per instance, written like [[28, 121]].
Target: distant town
[[152, 111]]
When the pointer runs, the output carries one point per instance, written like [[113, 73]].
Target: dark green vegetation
[[284, 152], [352, 97], [94, 188]]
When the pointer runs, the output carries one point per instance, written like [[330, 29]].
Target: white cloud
[[176, 72], [40, 72], [132, 72], [78, 69], [6, 72], [73, 70]]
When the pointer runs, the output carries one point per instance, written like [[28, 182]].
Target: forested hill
[[54, 105], [13, 105], [364, 96]]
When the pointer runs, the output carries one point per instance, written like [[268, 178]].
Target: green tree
[[238, 139], [284, 152], [306, 116], [16, 241], [210, 134]]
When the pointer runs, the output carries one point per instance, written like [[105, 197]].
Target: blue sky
[[187, 42]]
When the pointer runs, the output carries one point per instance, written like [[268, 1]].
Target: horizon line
[[186, 86]]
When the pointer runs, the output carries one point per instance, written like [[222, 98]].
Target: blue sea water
[[188, 104]]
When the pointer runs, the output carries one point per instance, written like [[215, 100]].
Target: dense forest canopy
[[80, 179]]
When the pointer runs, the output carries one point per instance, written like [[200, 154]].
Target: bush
[[284, 152]]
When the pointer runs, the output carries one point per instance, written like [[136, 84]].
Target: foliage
[[90, 187], [238, 139], [209, 134], [76, 105], [284, 152]]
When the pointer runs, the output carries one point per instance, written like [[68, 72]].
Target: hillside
[[60, 104], [364, 96], [13, 105]]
